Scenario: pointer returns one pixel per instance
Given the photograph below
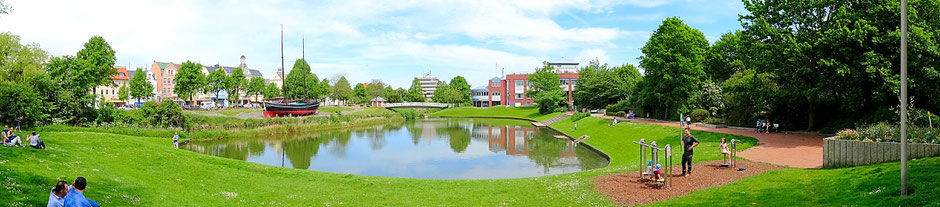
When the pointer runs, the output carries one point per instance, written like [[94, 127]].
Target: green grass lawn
[[124, 170], [497, 111], [872, 185], [333, 109]]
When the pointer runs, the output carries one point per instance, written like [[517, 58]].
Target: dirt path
[[789, 149], [630, 189]]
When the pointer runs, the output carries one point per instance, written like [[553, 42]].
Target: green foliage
[[394, 95], [890, 132], [359, 94], [255, 86], [234, 83], [123, 93], [216, 81], [166, 114], [599, 85], [550, 101], [462, 88], [19, 61], [546, 90], [22, 100], [673, 60], [272, 91], [726, 56], [579, 115], [445, 93], [711, 99], [189, 80], [699, 115], [415, 93], [95, 62], [714, 120], [409, 114], [747, 93], [342, 90], [140, 87], [375, 89], [301, 83], [620, 106]]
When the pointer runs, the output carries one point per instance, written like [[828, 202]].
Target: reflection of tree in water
[[588, 159], [234, 149], [300, 151], [340, 139], [458, 134], [545, 150], [414, 130]]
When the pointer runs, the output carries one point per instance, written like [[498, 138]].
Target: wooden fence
[[847, 153]]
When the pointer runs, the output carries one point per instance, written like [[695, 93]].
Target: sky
[[392, 41]]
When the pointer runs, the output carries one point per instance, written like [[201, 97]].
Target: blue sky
[[365, 40]]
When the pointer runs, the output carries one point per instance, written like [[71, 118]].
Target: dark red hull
[[271, 114]]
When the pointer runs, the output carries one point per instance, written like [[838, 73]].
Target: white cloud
[[593, 54]]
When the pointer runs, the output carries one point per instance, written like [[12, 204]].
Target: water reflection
[[432, 148]]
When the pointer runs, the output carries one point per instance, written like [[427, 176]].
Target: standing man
[[18, 120], [76, 195], [176, 139], [688, 142]]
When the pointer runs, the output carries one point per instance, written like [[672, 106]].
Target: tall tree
[[123, 93], [725, 57], [96, 63], [599, 85], [295, 82], [673, 59], [342, 90], [442, 93], [140, 87], [255, 86], [375, 89], [271, 91], [461, 86], [324, 89], [234, 84], [20, 61], [216, 82], [395, 95], [415, 92], [546, 89], [359, 94], [189, 80]]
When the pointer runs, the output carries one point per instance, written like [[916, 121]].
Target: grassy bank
[[132, 170], [498, 111]]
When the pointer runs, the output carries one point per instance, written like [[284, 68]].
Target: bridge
[[417, 105]]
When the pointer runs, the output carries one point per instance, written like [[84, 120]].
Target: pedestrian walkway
[[789, 149]]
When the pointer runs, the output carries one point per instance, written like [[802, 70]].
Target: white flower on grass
[[229, 195]]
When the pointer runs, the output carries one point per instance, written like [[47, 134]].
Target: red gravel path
[[788, 149], [630, 189]]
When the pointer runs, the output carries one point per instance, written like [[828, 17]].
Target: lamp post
[[903, 97]]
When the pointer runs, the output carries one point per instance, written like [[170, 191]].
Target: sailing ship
[[281, 106]]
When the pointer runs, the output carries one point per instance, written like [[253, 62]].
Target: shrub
[[699, 115], [622, 105], [579, 115], [714, 120], [884, 132]]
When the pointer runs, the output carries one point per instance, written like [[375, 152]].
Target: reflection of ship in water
[[515, 140]]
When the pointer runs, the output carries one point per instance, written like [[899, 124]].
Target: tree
[[461, 86], [298, 82], [324, 88], [23, 100], [396, 95], [441, 93], [725, 57], [342, 90], [5, 8], [255, 86], [140, 87], [272, 91], [375, 89], [123, 93], [95, 63], [599, 85], [69, 95], [216, 82], [234, 84], [359, 94], [546, 89], [415, 93], [19, 62], [673, 60], [189, 80]]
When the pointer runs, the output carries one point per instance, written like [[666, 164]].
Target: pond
[[427, 148]]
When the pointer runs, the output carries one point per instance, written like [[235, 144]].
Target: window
[[495, 83], [520, 83], [519, 95], [495, 93], [564, 82]]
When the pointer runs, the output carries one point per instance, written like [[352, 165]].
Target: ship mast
[[283, 78]]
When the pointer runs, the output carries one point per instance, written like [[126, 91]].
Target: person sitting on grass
[[724, 151], [57, 196], [34, 141], [76, 195], [3, 134], [13, 140], [176, 139]]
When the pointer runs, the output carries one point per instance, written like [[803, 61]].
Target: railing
[[418, 105]]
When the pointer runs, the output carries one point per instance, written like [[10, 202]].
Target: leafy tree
[[69, 95], [726, 56], [396, 95], [216, 82], [19, 62], [441, 93], [324, 88], [461, 86], [342, 90], [234, 84], [189, 80], [271, 91], [748, 93], [295, 84], [255, 86], [546, 89], [140, 87], [415, 93], [673, 59], [375, 89], [359, 94], [599, 85], [95, 63], [123, 93], [23, 100]]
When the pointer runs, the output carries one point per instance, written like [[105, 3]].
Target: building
[[109, 93], [243, 96], [378, 102], [512, 90], [277, 78], [480, 96], [428, 85], [165, 73]]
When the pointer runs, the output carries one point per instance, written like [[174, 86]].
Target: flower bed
[[883, 132]]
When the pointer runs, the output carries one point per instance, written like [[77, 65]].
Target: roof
[[365, 85], [163, 65], [562, 61], [121, 70], [229, 69], [130, 73], [380, 99]]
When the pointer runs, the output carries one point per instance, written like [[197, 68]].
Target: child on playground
[[649, 168], [658, 172], [724, 150]]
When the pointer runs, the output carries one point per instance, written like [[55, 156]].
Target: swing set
[[654, 152]]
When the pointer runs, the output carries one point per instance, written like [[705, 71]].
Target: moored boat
[[291, 108]]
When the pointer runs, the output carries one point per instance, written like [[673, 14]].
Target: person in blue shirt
[[176, 139], [57, 196], [76, 195]]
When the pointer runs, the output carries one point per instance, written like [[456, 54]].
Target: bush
[[579, 115], [699, 115], [622, 105], [714, 120], [884, 132]]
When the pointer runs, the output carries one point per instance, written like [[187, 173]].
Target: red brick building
[[513, 89]]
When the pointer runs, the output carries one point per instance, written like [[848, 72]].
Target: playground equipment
[[654, 158], [734, 153]]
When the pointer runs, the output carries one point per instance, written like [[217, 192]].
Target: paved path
[[789, 149]]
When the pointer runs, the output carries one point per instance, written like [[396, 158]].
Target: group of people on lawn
[[9, 138], [65, 195]]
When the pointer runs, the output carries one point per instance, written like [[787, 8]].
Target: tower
[[244, 67]]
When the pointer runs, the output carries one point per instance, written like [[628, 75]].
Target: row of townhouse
[[512, 90]]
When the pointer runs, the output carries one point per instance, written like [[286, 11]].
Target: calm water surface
[[431, 148]]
